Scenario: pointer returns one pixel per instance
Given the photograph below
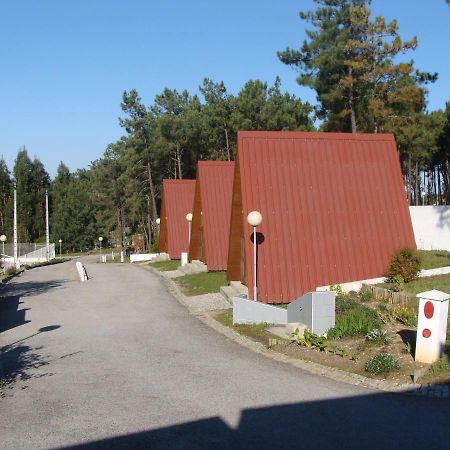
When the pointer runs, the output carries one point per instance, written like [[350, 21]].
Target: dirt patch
[[356, 351]]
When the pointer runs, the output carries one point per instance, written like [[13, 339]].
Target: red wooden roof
[[212, 208], [177, 201], [334, 210]]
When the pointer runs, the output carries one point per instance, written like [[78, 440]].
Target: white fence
[[29, 254]]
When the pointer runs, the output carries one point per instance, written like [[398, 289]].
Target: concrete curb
[[422, 390]]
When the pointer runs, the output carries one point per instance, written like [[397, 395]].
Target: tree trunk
[[178, 158], [152, 191], [227, 142], [410, 188], [417, 184], [351, 103]]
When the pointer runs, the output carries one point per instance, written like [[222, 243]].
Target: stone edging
[[309, 366]]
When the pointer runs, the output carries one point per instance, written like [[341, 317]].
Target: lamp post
[[16, 256], [100, 239], [47, 232], [189, 219], [3, 240], [60, 242], [158, 223], [254, 219]]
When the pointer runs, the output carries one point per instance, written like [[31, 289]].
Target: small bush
[[377, 337], [11, 270], [405, 263], [406, 316], [381, 363], [365, 295], [353, 319]]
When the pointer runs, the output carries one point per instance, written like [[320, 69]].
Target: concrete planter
[[247, 311]]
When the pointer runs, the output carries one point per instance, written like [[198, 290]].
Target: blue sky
[[66, 63]]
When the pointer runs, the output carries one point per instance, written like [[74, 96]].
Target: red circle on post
[[426, 333], [428, 310]]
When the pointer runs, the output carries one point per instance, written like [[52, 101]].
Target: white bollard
[[184, 258], [121, 257], [81, 271], [112, 256], [431, 326]]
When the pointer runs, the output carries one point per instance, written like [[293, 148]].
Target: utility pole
[[47, 232], [16, 259]]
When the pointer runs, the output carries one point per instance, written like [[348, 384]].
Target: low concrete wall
[[136, 257], [431, 225], [247, 311]]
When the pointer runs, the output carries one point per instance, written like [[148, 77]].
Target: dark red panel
[[333, 204], [216, 182], [177, 200]]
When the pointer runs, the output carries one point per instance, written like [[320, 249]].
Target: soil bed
[[356, 351]]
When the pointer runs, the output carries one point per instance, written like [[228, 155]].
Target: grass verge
[[432, 259], [201, 283], [257, 332], [166, 266]]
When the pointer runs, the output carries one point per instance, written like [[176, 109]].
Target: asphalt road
[[117, 362]]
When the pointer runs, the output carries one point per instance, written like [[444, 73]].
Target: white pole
[[255, 292], [47, 232], [16, 259]]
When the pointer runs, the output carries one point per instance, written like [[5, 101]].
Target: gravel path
[[120, 363]]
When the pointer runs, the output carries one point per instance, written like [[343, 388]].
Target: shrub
[[11, 270], [365, 295], [381, 363], [353, 319], [405, 263], [377, 337], [406, 316]]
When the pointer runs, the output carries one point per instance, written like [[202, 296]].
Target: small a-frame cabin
[[333, 207], [211, 217], [177, 201]]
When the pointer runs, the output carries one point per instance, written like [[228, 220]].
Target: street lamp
[[60, 242], [189, 219], [3, 240], [100, 239], [254, 219]]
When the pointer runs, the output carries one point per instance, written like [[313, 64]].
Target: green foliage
[[404, 266], [353, 319], [365, 295], [320, 343], [377, 337], [406, 316], [381, 363], [337, 289]]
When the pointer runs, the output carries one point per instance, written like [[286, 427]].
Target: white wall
[[431, 225]]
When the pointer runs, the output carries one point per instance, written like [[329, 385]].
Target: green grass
[[257, 331], [166, 266], [432, 259], [202, 283], [439, 282]]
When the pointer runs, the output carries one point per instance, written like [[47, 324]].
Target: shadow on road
[[378, 421], [10, 314], [16, 362]]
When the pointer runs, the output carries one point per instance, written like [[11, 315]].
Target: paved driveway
[[119, 363]]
